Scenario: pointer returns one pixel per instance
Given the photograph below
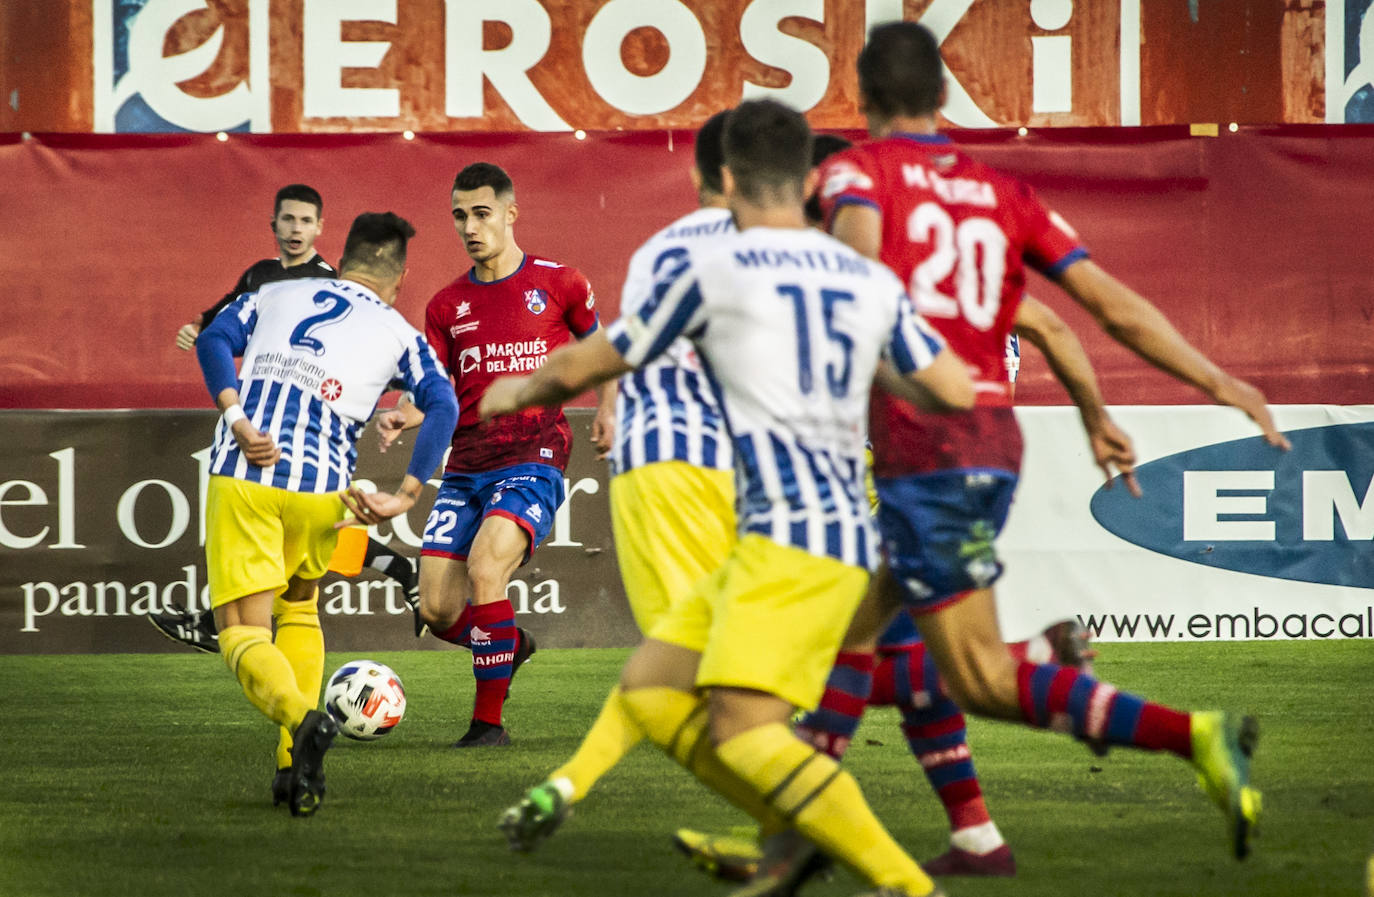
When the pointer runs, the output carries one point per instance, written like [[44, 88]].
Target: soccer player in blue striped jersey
[[317, 355], [672, 490], [791, 327]]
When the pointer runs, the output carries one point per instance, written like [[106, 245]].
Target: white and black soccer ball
[[365, 698]]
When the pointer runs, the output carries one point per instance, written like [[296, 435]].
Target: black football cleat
[[309, 742]]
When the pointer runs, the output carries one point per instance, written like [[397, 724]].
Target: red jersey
[[483, 330], [960, 235]]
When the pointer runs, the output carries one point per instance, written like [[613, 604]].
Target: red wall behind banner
[[1254, 243]]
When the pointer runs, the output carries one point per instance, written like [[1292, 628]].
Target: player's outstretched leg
[[538, 814], [194, 630], [309, 742], [1223, 744]]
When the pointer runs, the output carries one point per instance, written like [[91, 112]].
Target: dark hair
[[709, 154], [377, 244], [900, 71], [823, 147], [767, 148], [300, 193], [484, 174]]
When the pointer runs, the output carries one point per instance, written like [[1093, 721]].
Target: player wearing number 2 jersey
[[317, 354], [960, 234], [790, 326]]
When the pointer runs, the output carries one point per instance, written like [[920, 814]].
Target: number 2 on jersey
[[837, 378], [976, 247], [336, 308]]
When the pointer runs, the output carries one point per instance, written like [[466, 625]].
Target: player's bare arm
[[1111, 447], [374, 507], [603, 423], [258, 447], [390, 424], [860, 228], [1135, 322], [945, 385], [570, 370]]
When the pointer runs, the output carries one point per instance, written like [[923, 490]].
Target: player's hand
[[603, 432], [1112, 448], [501, 397], [186, 336], [258, 447], [373, 507], [1239, 394], [389, 427]]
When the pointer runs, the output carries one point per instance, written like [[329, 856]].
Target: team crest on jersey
[[331, 389], [536, 301], [464, 309]]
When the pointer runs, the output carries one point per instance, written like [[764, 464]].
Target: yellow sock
[[824, 803], [301, 639], [606, 742], [265, 674], [677, 722]]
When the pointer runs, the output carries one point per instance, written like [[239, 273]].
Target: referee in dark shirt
[[297, 219]]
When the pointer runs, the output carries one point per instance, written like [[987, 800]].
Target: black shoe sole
[[309, 742]]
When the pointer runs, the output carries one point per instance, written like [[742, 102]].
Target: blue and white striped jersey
[[790, 325], [665, 411], [317, 355]]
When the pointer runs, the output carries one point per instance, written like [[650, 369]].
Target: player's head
[[900, 73], [297, 219], [822, 148], [484, 210], [709, 158], [375, 252], [767, 151]]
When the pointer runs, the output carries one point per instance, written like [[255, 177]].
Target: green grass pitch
[[148, 775]]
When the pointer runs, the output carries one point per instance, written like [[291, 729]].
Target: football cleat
[[524, 650], [191, 629], [898, 892], [1069, 641], [309, 742], [1223, 744], [789, 861], [281, 786], [997, 863], [483, 734], [538, 815], [726, 857], [412, 599]]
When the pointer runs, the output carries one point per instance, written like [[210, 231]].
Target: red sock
[[457, 634], [492, 637]]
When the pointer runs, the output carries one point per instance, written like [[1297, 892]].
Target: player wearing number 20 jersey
[[960, 235]]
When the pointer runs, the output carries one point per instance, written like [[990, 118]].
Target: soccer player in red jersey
[[960, 234], [503, 481]]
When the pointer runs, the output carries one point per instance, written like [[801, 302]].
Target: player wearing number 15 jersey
[[790, 326]]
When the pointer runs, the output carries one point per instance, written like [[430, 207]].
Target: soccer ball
[[365, 698]]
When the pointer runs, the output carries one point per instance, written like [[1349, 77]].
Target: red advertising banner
[[559, 65], [1253, 242]]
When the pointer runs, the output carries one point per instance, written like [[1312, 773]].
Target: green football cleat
[[539, 814], [1222, 746]]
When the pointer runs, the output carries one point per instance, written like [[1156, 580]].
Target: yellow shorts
[[673, 524], [258, 537], [770, 619]]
